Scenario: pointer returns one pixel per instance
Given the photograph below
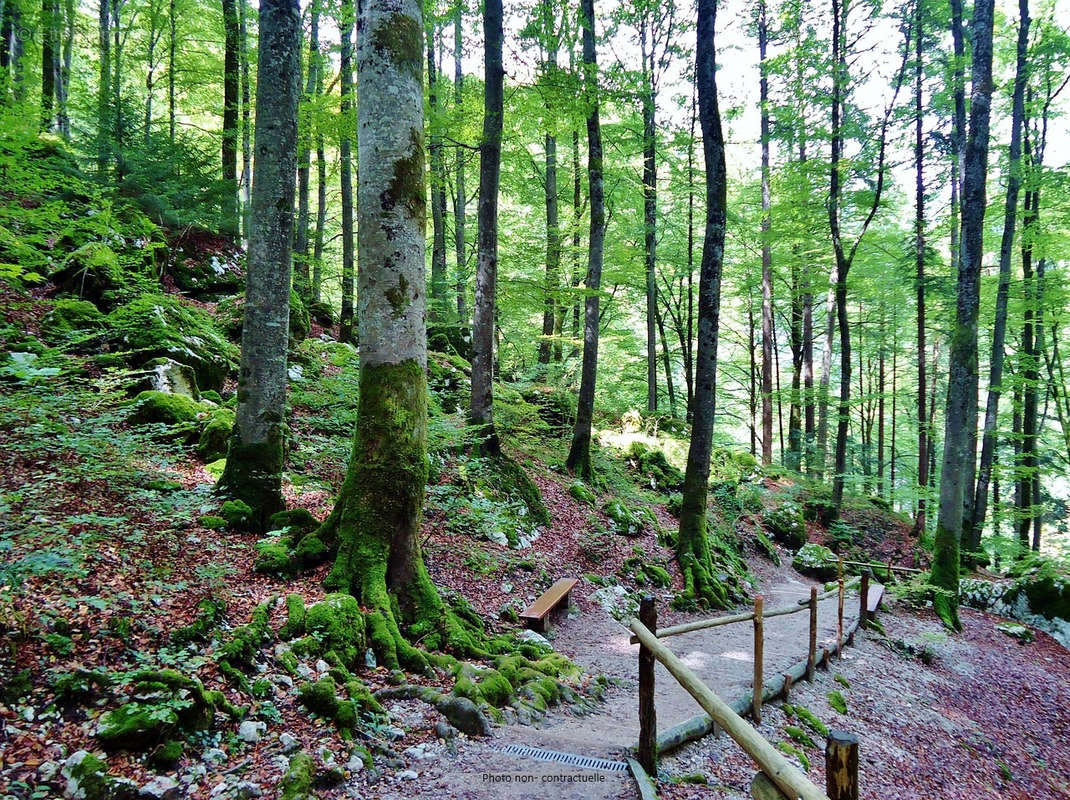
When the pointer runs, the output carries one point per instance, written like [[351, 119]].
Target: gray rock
[[355, 764], [369, 659], [306, 672], [173, 378], [161, 788], [47, 771], [531, 637], [281, 680], [408, 775], [250, 731], [213, 755], [393, 733], [194, 773], [247, 789], [465, 716], [322, 666], [416, 752], [295, 373], [443, 730], [289, 743]]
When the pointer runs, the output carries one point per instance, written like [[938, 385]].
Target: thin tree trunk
[[257, 445], [172, 44], [460, 197], [302, 278], [490, 153], [973, 526], [693, 546], [321, 203], [551, 304], [962, 360], [880, 409], [246, 180], [345, 319], [230, 119], [104, 131], [440, 302], [919, 264], [46, 25], [63, 85], [767, 248], [579, 454], [650, 207]]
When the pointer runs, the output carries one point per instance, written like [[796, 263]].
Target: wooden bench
[[538, 613]]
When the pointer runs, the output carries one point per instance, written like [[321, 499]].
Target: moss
[[294, 520], [338, 623], [786, 524], [320, 697], [92, 271], [300, 324], [169, 409], [241, 650], [363, 698], [799, 735], [215, 435], [288, 661], [311, 551], [212, 522], [68, 315], [307, 646], [581, 493], [296, 783], [625, 522], [495, 688], [253, 474], [295, 617], [273, 557], [212, 396], [817, 561], [654, 467], [167, 755], [658, 576], [837, 701], [399, 39], [791, 750], [810, 719], [68, 687], [237, 513], [209, 614]]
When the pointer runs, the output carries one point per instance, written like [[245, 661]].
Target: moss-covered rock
[[168, 376], [215, 436], [241, 649], [91, 272], [654, 467], [296, 783], [338, 624], [164, 703], [212, 522], [1045, 585], [209, 615], [322, 312], [624, 520], [169, 409], [237, 513], [300, 324], [786, 524], [167, 755], [295, 617], [816, 561], [69, 315], [88, 779], [161, 325], [273, 557], [580, 492], [206, 265], [294, 521]]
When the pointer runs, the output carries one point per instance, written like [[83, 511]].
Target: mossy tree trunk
[[377, 516], [256, 452], [230, 119], [345, 319], [460, 198], [440, 302], [579, 454], [693, 548], [302, 279], [956, 469], [490, 156]]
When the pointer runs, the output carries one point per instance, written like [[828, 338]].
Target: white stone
[[250, 731], [161, 788], [289, 743]]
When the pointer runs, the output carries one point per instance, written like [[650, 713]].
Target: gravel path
[[722, 657]]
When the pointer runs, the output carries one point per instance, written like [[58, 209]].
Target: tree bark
[[256, 454], [230, 119], [302, 278], [962, 359], [650, 208], [551, 303], [767, 247], [440, 304], [246, 180], [579, 454], [973, 526], [104, 131], [919, 265], [693, 553], [345, 319], [460, 198], [490, 154], [46, 24]]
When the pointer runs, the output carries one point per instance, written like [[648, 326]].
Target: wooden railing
[[777, 774]]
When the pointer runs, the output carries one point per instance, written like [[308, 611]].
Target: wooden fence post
[[648, 725], [839, 624], [811, 658], [863, 601], [841, 766], [759, 657], [889, 570]]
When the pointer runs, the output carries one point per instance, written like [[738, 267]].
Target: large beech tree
[[693, 547], [256, 452], [376, 519]]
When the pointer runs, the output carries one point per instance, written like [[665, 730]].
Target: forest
[[383, 384]]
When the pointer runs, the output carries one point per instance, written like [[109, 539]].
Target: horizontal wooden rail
[[747, 616], [790, 780], [882, 566]]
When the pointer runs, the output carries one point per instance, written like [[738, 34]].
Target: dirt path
[[722, 657]]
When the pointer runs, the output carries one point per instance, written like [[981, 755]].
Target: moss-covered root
[[295, 617], [701, 587], [253, 474], [239, 653], [377, 521], [296, 783], [461, 712]]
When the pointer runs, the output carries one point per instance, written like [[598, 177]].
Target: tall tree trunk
[[230, 119], [460, 198], [46, 23], [246, 180], [490, 154], [919, 264], [257, 444], [321, 203], [104, 119], [345, 319], [767, 248], [440, 302], [880, 409], [752, 373], [1029, 372], [667, 363], [693, 547], [378, 512], [821, 451], [172, 46], [962, 360], [973, 526], [302, 278], [650, 207], [63, 84], [551, 303], [686, 343], [579, 454], [149, 77]]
